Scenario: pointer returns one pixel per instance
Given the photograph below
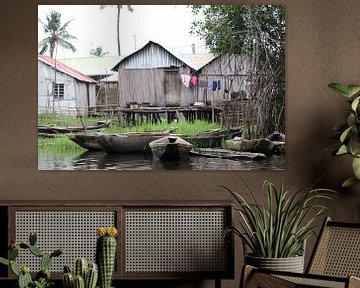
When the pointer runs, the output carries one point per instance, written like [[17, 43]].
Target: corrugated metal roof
[[65, 69], [93, 66], [198, 60], [110, 78], [154, 55]]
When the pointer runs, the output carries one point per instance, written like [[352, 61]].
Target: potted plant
[[349, 132], [275, 233], [42, 278]]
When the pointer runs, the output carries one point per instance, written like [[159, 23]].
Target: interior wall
[[323, 40]]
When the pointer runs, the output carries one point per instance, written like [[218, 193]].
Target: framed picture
[[161, 87]]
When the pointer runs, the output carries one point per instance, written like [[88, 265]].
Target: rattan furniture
[[335, 262], [157, 240]]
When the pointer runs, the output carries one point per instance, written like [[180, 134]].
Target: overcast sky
[[168, 25]]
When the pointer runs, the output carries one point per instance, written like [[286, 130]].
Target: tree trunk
[[118, 29]]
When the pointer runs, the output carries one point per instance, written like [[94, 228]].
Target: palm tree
[[58, 35], [98, 52], [119, 7]]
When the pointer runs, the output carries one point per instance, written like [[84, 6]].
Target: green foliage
[[43, 283], [256, 32], [349, 131], [279, 229], [98, 52], [63, 143], [225, 28], [42, 278], [57, 34]]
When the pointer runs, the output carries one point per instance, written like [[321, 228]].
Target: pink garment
[[194, 80], [185, 79]]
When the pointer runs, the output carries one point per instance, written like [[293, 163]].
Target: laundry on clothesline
[[185, 79], [194, 80], [214, 85]]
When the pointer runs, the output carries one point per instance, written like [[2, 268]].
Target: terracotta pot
[[291, 264]]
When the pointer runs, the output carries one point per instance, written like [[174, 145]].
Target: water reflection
[[89, 160]]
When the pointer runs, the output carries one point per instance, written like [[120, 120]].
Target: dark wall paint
[[323, 46]]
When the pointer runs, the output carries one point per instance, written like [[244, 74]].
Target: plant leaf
[[349, 182], [353, 89], [4, 261], [356, 167], [345, 134], [354, 145], [340, 88], [351, 120], [342, 150], [355, 103]]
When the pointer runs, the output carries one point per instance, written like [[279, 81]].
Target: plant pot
[[291, 264]]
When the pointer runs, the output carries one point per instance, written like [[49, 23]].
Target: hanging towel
[[185, 79], [194, 80], [210, 85]]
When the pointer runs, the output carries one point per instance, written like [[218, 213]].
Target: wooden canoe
[[213, 138], [128, 143], [225, 154], [87, 141], [51, 129], [170, 148]]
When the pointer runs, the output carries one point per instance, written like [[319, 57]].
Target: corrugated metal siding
[[228, 64], [233, 73], [142, 85], [75, 93], [156, 86], [152, 56]]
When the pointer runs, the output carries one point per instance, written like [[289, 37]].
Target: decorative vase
[[291, 264]]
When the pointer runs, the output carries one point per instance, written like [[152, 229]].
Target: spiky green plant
[[106, 254], [279, 229], [85, 273]]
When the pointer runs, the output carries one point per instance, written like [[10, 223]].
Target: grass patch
[[182, 128], [63, 143], [59, 143], [54, 119]]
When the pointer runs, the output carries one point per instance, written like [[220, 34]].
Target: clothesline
[[188, 80]]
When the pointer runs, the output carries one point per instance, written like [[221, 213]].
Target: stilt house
[[152, 75], [64, 90]]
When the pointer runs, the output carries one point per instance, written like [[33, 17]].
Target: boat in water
[[128, 142], [214, 138], [52, 129], [225, 154], [170, 148], [87, 141]]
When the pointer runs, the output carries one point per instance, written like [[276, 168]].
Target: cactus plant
[[80, 267], [84, 275], [105, 254], [91, 275], [79, 282], [68, 280], [24, 277], [42, 278]]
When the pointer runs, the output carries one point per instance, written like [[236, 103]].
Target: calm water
[[102, 161]]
